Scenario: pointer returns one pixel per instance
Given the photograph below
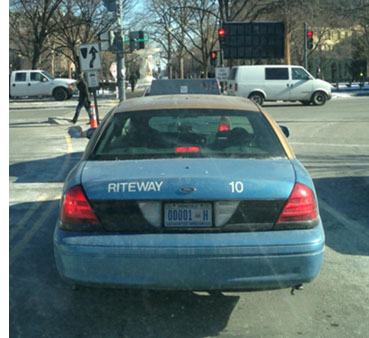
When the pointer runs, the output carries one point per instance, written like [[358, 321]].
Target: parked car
[[195, 192], [185, 86], [40, 83], [282, 82]]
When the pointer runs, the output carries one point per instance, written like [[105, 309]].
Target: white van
[[282, 82]]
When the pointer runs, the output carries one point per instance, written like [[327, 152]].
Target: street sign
[[93, 78], [222, 73], [144, 39], [89, 56]]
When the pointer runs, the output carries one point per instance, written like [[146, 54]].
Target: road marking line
[[68, 140], [20, 246], [27, 216]]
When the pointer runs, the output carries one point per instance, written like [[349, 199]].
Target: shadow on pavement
[[48, 170], [346, 217], [42, 305]]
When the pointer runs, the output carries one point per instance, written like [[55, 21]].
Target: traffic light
[[141, 37], [136, 40], [309, 36], [213, 58], [111, 5], [221, 35], [133, 41]]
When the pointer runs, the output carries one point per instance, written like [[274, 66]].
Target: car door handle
[[29, 85]]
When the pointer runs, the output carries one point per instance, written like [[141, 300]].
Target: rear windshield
[[187, 133]]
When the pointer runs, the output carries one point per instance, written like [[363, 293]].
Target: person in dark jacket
[[133, 80], [84, 99]]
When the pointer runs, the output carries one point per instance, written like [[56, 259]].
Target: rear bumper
[[227, 261]]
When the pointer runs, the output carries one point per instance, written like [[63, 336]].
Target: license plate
[[188, 215]]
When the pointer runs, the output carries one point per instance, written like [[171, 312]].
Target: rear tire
[[258, 98], [60, 94], [319, 98]]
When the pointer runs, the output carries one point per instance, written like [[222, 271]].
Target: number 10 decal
[[236, 186]]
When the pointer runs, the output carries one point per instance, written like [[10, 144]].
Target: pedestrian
[[318, 73], [133, 80], [84, 99]]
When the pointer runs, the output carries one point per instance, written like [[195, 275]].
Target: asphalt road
[[331, 141]]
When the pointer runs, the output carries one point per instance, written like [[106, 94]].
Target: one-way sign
[[89, 56]]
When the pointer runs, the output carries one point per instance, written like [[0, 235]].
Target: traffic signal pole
[[120, 52], [305, 45]]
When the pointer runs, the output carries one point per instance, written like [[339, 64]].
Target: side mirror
[[44, 79], [285, 130], [90, 132]]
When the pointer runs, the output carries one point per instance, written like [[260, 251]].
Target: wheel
[[319, 98], [60, 94], [305, 103], [257, 98]]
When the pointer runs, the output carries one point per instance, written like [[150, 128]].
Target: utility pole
[[305, 45], [120, 52]]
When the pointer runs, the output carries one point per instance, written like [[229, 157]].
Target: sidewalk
[[345, 90]]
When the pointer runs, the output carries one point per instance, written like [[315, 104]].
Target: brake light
[[224, 124], [300, 206], [235, 87], [76, 208], [187, 149]]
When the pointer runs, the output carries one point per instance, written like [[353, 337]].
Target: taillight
[[192, 149], [301, 206], [235, 87], [76, 208]]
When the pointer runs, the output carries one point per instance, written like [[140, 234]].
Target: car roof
[[186, 102], [185, 86]]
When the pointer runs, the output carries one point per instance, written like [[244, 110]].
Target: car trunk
[[235, 195]]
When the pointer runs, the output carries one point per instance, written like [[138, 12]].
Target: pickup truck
[[40, 83]]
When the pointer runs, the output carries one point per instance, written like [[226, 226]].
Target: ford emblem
[[187, 190]]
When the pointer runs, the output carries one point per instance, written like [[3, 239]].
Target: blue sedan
[[189, 192]]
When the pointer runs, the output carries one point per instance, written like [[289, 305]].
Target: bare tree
[[189, 28], [81, 21], [31, 22]]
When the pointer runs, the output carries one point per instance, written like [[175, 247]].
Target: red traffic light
[[213, 55], [221, 32], [309, 34]]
